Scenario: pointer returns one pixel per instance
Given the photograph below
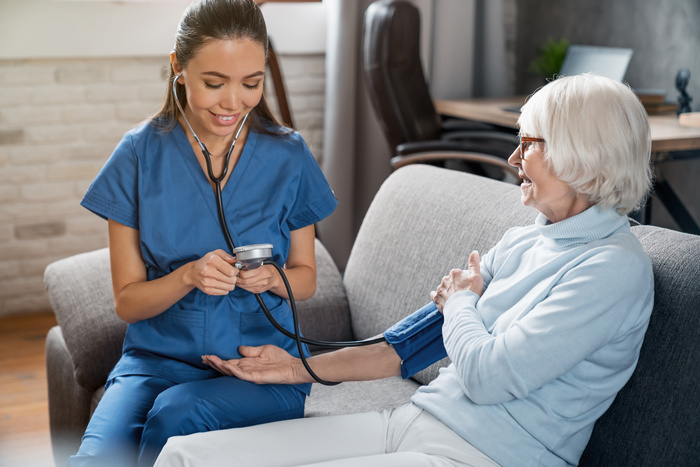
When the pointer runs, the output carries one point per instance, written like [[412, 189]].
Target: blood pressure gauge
[[252, 256]]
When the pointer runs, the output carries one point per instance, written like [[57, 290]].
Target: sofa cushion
[[80, 290], [325, 316], [660, 405], [419, 219], [359, 396]]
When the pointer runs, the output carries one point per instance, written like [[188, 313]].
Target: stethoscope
[[207, 157], [254, 256]]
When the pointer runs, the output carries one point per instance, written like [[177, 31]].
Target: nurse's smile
[[226, 120]]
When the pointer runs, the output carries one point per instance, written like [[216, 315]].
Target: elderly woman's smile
[[542, 189]]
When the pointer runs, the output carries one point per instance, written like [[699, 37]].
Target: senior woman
[[542, 332]]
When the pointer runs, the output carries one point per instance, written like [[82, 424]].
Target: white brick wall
[[305, 83], [59, 122]]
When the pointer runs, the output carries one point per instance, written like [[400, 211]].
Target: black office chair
[[401, 99]]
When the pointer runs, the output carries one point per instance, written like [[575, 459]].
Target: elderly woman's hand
[[459, 280], [266, 364]]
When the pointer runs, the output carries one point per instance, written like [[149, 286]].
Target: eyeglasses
[[525, 142]]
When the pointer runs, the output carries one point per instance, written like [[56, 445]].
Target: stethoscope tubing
[[205, 151]]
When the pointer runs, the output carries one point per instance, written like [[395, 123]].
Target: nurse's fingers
[[228, 259], [257, 280], [220, 261], [213, 274]]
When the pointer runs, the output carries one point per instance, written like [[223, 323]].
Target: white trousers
[[403, 437]]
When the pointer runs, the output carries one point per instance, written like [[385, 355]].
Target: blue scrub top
[[154, 183]]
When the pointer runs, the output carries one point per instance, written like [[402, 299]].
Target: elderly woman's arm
[[271, 365], [592, 306]]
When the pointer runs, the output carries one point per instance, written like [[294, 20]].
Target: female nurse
[[542, 331], [173, 275]]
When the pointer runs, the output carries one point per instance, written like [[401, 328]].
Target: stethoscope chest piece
[[252, 256]]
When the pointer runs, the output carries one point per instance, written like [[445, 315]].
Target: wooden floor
[[24, 414]]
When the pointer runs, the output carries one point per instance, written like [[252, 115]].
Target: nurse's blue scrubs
[[159, 388]]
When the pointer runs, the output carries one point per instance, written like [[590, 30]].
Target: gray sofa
[[423, 222]]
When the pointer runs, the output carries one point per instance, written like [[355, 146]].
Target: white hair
[[597, 138]]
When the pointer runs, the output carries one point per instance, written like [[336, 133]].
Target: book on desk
[[654, 101]]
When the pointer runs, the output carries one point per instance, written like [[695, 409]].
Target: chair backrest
[[394, 73]]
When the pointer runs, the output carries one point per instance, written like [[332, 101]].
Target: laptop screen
[[606, 61], [610, 62]]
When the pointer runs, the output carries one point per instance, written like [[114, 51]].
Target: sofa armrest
[[80, 291], [69, 403], [326, 315]]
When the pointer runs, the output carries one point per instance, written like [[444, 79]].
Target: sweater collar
[[592, 224]]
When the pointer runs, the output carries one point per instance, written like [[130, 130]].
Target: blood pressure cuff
[[418, 339]]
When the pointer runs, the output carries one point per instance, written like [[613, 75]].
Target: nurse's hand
[[214, 273], [259, 280]]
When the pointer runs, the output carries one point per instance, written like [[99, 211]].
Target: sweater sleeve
[[600, 300], [486, 267]]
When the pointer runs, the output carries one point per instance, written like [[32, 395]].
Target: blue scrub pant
[[137, 415]]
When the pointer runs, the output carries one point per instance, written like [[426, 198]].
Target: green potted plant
[[550, 56]]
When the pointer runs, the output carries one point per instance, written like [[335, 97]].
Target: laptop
[[605, 61], [611, 62]]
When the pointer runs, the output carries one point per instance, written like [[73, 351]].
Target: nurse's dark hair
[[203, 21]]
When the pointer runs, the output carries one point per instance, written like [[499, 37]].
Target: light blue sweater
[[556, 334]]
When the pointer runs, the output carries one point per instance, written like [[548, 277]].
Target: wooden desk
[[667, 135]]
